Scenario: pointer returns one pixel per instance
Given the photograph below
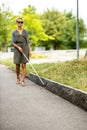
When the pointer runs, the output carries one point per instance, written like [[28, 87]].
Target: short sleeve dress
[[22, 41]]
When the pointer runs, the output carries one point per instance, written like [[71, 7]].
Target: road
[[50, 56], [35, 108]]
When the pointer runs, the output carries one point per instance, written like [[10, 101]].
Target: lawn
[[72, 73]]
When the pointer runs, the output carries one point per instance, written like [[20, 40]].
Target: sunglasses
[[20, 22]]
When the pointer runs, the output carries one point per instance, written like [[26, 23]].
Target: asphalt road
[[35, 108]]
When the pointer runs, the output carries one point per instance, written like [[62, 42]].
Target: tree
[[33, 23], [69, 31], [62, 27], [51, 29], [53, 24], [5, 16], [3, 29]]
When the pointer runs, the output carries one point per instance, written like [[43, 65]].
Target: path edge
[[73, 95]]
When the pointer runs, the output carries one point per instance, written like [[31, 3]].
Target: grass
[[73, 73], [38, 56]]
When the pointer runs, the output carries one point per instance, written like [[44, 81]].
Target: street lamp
[[77, 31]]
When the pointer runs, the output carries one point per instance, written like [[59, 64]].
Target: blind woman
[[21, 45]]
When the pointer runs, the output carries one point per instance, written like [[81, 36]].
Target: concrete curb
[[75, 96]]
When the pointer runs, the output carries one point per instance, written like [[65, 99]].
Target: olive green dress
[[21, 41]]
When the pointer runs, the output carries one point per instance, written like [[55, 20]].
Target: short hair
[[18, 19]]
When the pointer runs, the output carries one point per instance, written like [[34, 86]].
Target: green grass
[[38, 56], [73, 73]]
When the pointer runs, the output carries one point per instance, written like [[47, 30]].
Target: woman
[[21, 44]]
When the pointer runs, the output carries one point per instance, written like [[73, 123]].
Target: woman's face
[[19, 22]]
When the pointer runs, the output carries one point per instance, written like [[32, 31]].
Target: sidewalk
[[34, 108]]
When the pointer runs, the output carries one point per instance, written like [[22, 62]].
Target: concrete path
[[34, 108]]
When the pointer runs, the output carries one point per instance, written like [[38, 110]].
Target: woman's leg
[[18, 73], [23, 74]]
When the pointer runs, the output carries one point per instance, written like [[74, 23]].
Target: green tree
[[62, 27], [69, 31], [3, 29], [53, 24], [5, 16], [33, 24]]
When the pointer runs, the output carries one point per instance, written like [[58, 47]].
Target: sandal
[[23, 84], [18, 81]]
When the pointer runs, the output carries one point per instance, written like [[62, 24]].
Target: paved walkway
[[35, 108]]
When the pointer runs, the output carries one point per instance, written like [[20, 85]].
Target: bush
[[83, 43]]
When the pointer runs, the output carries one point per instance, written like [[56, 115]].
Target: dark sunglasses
[[20, 22]]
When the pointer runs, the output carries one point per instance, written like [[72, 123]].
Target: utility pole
[[77, 31]]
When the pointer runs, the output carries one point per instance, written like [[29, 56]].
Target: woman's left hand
[[30, 53]]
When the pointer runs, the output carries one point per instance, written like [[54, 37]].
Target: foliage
[[4, 14], [52, 29], [83, 43], [53, 24], [62, 27], [7, 24], [34, 25], [69, 31]]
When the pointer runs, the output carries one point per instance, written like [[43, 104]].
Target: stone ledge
[[69, 93]]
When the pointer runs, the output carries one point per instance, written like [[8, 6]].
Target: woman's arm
[[27, 40], [19, 48]]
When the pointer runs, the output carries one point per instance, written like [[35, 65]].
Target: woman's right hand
[[20, 49]]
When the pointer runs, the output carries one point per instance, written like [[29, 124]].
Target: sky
[[41, 5]]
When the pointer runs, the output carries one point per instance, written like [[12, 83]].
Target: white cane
[[33, 68]]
